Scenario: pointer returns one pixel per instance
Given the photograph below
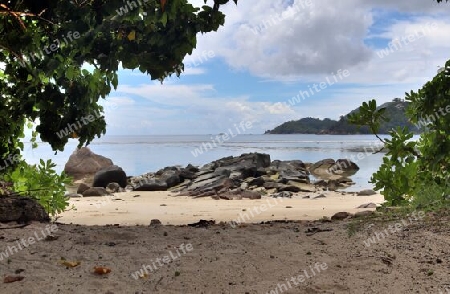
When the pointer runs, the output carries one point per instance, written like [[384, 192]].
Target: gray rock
[[216, 181], [332, 185], [270, 185], [238, 194], [320, 196], [284, 194], [340, 216], [247, 164], [113, 188], [320, 183], [81, 188], [74, 195], [302, 186], [110, 174], [322, 166], [171, 178], [288, 165], [364, 213], [368, 205], [344, 165], [259, 181], [293, 175], [368, 192], [191, 168], [211, 176], [151, 185], [95, 191], [288, 188], [250, 194], [186, 175]]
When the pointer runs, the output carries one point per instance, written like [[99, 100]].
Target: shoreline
[[128, 209]]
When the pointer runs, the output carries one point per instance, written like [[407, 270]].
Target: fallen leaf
[[143, 276], [100, 270], [70, 263], [132, 35], [12, 279]]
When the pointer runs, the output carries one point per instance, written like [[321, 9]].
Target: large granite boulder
[[82, 187], [322, 167], [95, 191], [285, 165], [171, 178], [345, 166], [242, 167], [85, 163], [110, 174], [330, 169]]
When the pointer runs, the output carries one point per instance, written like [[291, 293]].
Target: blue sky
[[269, 51]]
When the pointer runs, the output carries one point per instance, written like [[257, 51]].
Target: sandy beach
[[139, 208], [272, 258]]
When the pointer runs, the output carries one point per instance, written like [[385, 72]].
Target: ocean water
[[141, 154]]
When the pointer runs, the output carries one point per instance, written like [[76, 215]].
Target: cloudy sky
[[331, 55]]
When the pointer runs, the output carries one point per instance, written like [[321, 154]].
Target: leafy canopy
[[47, 46]]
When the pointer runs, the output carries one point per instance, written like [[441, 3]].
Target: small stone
[[368, 205], [340, 215], [73, 195], [113, 187], [81, 188], [364, 213], [368, 192], [155, 222], [320, 196]]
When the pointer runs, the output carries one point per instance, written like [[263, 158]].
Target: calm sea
[[141, 154]]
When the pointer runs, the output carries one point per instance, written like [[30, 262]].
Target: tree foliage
[[42, 183], [58, 58], [409, 166]]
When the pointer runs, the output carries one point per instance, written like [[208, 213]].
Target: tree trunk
[[21, 209]]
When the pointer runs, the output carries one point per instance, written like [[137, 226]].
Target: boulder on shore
[[85, 163], [249, 175], [110, 174], [330, 169], [95, 191]]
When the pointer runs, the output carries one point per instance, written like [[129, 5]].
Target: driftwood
[[21, 210]]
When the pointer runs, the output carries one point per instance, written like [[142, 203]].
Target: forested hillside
[[395, 113]]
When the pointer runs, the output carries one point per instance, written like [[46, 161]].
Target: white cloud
[[322, 38], [296, 47]]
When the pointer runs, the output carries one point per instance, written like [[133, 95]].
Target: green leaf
[[164, 19]]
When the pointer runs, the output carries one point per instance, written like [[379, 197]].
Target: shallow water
[[141, 154]]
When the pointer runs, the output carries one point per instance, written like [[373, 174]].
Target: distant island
[[395, 112]]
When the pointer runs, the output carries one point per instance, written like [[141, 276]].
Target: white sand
[[124, 209]]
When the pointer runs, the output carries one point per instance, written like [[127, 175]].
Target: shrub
[[42, 183]]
